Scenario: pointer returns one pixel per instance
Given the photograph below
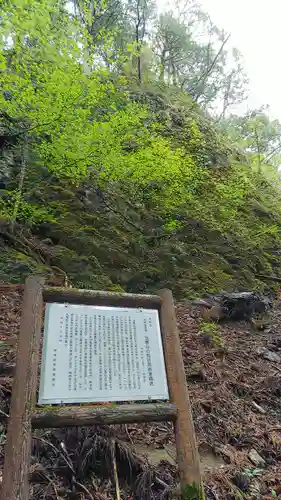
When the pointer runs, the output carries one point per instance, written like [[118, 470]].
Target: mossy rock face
[[16, 266], [82, 271], [92, 281], [121, 235]]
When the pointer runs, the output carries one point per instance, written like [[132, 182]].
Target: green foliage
[[121, 185], [28, 213], [192, 492], [58, 100], [258, 136], [211, 329], [15, 265], [253, 472]]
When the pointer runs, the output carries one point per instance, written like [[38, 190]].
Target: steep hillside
[[112, 171], [207, 222]]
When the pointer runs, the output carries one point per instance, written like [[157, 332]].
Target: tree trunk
[[174, 74], [138, 42], [20, 187], [162, 66]]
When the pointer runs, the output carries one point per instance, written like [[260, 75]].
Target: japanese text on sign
[[95, 354]]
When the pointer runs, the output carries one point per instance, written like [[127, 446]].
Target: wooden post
[[187, 452], [18, 446]]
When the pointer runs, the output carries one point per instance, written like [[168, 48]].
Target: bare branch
[[209, 70]]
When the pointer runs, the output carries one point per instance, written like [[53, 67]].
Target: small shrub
[[211, 330]]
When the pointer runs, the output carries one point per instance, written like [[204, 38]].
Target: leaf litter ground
[[236, 402]]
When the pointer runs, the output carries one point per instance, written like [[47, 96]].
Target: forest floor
[[234, 379]]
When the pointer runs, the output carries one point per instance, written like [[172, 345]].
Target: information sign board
[[98, 354]]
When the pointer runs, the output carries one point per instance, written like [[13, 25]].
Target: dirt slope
[[236, 401]]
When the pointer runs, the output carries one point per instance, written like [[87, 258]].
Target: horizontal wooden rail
[[11, 286], [95, 297], [68, 416], [74, 416]]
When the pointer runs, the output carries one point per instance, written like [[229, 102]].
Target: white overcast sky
[[255, 31]]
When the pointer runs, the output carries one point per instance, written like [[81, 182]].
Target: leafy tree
[[108, 31], [140, 14], [257, 135], [203, 67], [98, 17], [174, 48], [74, 121]]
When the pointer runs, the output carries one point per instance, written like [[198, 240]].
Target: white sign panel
[[98, 354]]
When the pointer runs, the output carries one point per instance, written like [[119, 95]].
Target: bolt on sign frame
[[24, 415]]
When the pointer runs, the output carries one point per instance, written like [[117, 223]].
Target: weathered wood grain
[[187, 451], [65, 416], [95, 297], [17, 450]]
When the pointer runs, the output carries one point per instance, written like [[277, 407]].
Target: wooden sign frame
[[23, 412]]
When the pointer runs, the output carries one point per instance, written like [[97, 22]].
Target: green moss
[[46, 409], [192, 492], [216, 233], [15, 266], [116, 288]]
